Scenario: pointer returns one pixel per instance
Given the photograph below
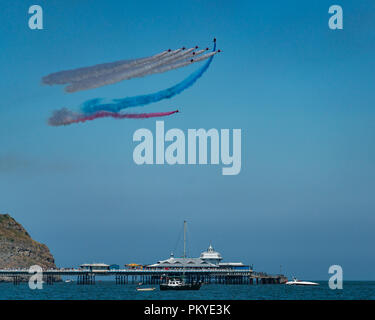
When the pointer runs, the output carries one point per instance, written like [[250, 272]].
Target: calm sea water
[[109, 290]]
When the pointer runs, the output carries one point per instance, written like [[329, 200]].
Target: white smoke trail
[[176, 64], [113, 77], [67, 76], [124, 67], [171, 56], [126, 74]]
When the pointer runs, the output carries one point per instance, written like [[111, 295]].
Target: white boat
[[179, 284], [146, 289], [296, 282], [68, 280]]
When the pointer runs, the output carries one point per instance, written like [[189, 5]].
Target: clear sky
[[302, 94]]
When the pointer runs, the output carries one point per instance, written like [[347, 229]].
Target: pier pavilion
[[209, 259], [94, 266]]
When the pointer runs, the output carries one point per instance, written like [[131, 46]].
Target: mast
[[184, 238]]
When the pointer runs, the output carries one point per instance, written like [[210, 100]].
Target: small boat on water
[[68, 280], [146, 289], [296, 282], [178, 284]]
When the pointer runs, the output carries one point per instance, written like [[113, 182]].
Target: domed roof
[[210, 253]]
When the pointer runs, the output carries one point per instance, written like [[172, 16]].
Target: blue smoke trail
[[95, 105]]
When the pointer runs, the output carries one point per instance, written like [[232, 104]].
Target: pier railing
[[124, 276]]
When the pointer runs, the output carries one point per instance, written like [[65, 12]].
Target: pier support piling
[[86, 278]]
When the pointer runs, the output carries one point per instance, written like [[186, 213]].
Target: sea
[[108, 290]]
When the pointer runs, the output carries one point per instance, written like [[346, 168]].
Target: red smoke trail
[[105, 114]]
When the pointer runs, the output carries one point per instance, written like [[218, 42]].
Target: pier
[[208, 268], [128, 276]]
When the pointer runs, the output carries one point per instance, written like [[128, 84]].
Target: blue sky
[[301, 93]]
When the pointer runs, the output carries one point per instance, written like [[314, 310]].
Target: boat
[[146, 289], [296, 282], [68, 280], [178, 284]]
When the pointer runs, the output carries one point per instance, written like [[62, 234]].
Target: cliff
[[18, 249]]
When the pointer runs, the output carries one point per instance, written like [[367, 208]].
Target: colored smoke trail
[[98, 108], [116, 105], [65, 117]]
